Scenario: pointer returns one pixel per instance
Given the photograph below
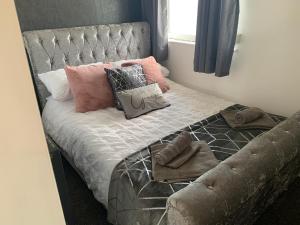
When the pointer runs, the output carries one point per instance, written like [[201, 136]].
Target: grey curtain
[[216, 36], [155, 12]]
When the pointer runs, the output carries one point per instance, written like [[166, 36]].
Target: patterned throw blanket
[[135, 199]]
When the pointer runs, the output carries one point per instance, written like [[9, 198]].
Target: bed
[[97, 143]]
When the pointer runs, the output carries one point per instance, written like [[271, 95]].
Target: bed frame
[[264, 168], [49, 50]]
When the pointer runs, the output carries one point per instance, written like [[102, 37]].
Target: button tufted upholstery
[[53, 49], [240, 188]]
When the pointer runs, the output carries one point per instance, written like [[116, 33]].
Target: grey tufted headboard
[[50, 50]]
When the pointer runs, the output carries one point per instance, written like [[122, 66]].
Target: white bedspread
[[97, 141]]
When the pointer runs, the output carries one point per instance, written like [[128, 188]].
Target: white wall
[[28, 191], [266, 69]]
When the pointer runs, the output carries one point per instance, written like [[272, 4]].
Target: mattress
[[97, 141]]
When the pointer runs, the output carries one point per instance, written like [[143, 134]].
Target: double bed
[[96, 143], [106, 136]]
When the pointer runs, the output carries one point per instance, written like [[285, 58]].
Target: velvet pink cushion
[[90, 87], [152, 71]]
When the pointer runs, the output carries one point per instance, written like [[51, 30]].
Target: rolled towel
[[248, 115], [173, 149], [179, 160], [184, 157], [202, 161]]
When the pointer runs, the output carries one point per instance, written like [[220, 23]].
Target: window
[[183, 19]]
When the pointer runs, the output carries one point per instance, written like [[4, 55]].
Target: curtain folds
[[155, 12], [216, 36]]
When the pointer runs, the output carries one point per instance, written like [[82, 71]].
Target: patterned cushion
[[152, 71], [125, 78], [139, 101]]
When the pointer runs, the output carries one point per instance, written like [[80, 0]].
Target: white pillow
[[57, 83], [164, 70]]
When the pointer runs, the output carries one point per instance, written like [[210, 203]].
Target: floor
[[285, 211]]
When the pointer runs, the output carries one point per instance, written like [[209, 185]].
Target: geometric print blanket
[[136, 199]]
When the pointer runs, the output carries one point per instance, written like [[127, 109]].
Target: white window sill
[[182, 37], [184, 42]]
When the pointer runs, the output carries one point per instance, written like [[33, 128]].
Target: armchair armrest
[[240, 188]]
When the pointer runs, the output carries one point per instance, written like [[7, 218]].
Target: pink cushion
[[152, 72], [90, 87]]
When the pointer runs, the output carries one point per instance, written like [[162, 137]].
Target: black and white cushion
[[125, 78]]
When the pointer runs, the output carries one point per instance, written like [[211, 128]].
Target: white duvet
[[97, 141]]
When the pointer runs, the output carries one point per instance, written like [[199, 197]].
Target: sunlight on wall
[[265, 69], [28, 190]]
